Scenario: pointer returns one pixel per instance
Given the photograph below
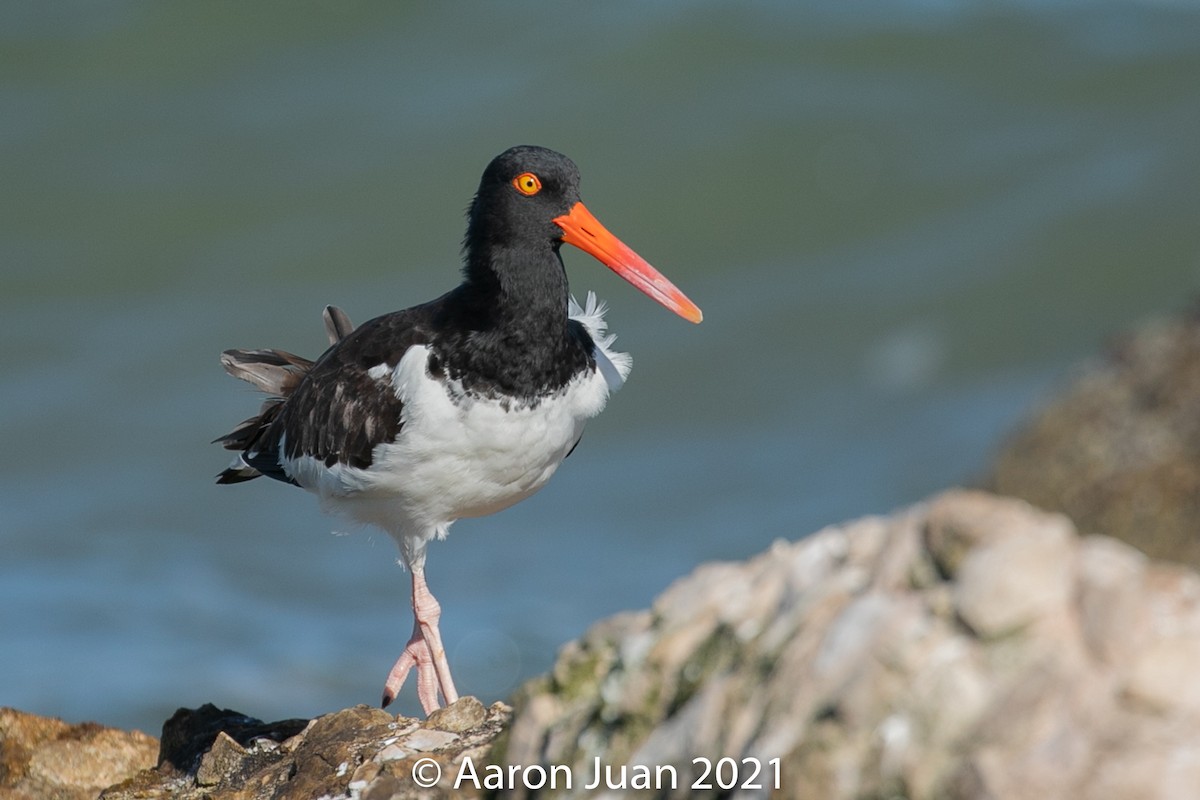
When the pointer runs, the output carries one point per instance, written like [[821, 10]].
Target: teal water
[[904, 223]]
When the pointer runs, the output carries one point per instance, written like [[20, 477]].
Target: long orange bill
[[584, 231]]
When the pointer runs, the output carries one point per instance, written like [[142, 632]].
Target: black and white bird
[[461, 406]]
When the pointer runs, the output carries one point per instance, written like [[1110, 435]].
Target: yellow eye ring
[[527, 184]]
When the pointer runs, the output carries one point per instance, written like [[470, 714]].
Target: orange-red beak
[[584, 231]]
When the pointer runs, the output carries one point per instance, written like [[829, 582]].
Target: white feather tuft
[[614, 366]]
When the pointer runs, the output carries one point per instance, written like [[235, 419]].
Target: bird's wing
[[335, 410], [347, 403]]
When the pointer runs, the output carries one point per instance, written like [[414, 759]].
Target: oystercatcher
[[461, 406]]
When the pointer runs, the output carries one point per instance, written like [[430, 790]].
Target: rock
[[1118, 450], [189, 733], [358, 752], [460, 717], [1111, 577], [1006, 584], [970, 647], [42, 757]]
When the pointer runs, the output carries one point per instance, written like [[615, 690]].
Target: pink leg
[[423, 651]]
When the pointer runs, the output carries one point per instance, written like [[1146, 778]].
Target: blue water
[[903, 224]]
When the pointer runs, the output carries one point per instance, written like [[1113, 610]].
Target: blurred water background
[[903, 221]]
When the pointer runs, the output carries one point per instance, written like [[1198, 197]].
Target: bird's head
[[528, 199]]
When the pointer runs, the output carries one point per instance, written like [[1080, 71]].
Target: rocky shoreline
[[970, 646]]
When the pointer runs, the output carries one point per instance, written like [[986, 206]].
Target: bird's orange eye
[[527, 183]]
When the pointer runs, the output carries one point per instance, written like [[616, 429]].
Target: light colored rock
[[957, 523], [220, 760], [44, 757], [1111, 584], [462, 716], [1012, 581], [1159, 764], [425, 740], [1164, 674], [971, 647]]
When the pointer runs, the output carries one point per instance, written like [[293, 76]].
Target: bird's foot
[[425, 652], [416, 654]]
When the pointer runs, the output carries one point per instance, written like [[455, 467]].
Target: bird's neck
[[511, 334], [522, 288]]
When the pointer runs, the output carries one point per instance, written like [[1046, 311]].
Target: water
[[903, 224]]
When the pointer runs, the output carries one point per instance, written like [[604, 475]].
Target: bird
[[458, 407]]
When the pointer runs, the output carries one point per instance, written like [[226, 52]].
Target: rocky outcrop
[[1119, 449], [41, 757], [361, 752], [970, 647]]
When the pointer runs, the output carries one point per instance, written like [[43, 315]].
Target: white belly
[[455, 456]]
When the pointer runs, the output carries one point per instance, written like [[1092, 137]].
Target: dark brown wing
[[332, 410]]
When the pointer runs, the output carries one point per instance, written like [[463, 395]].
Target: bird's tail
[[276, 373]]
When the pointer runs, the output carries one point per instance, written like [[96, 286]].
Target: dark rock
[[1118, 450], [189, 733]]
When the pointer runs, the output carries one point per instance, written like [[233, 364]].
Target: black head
[[526, 207], [520, 194]]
